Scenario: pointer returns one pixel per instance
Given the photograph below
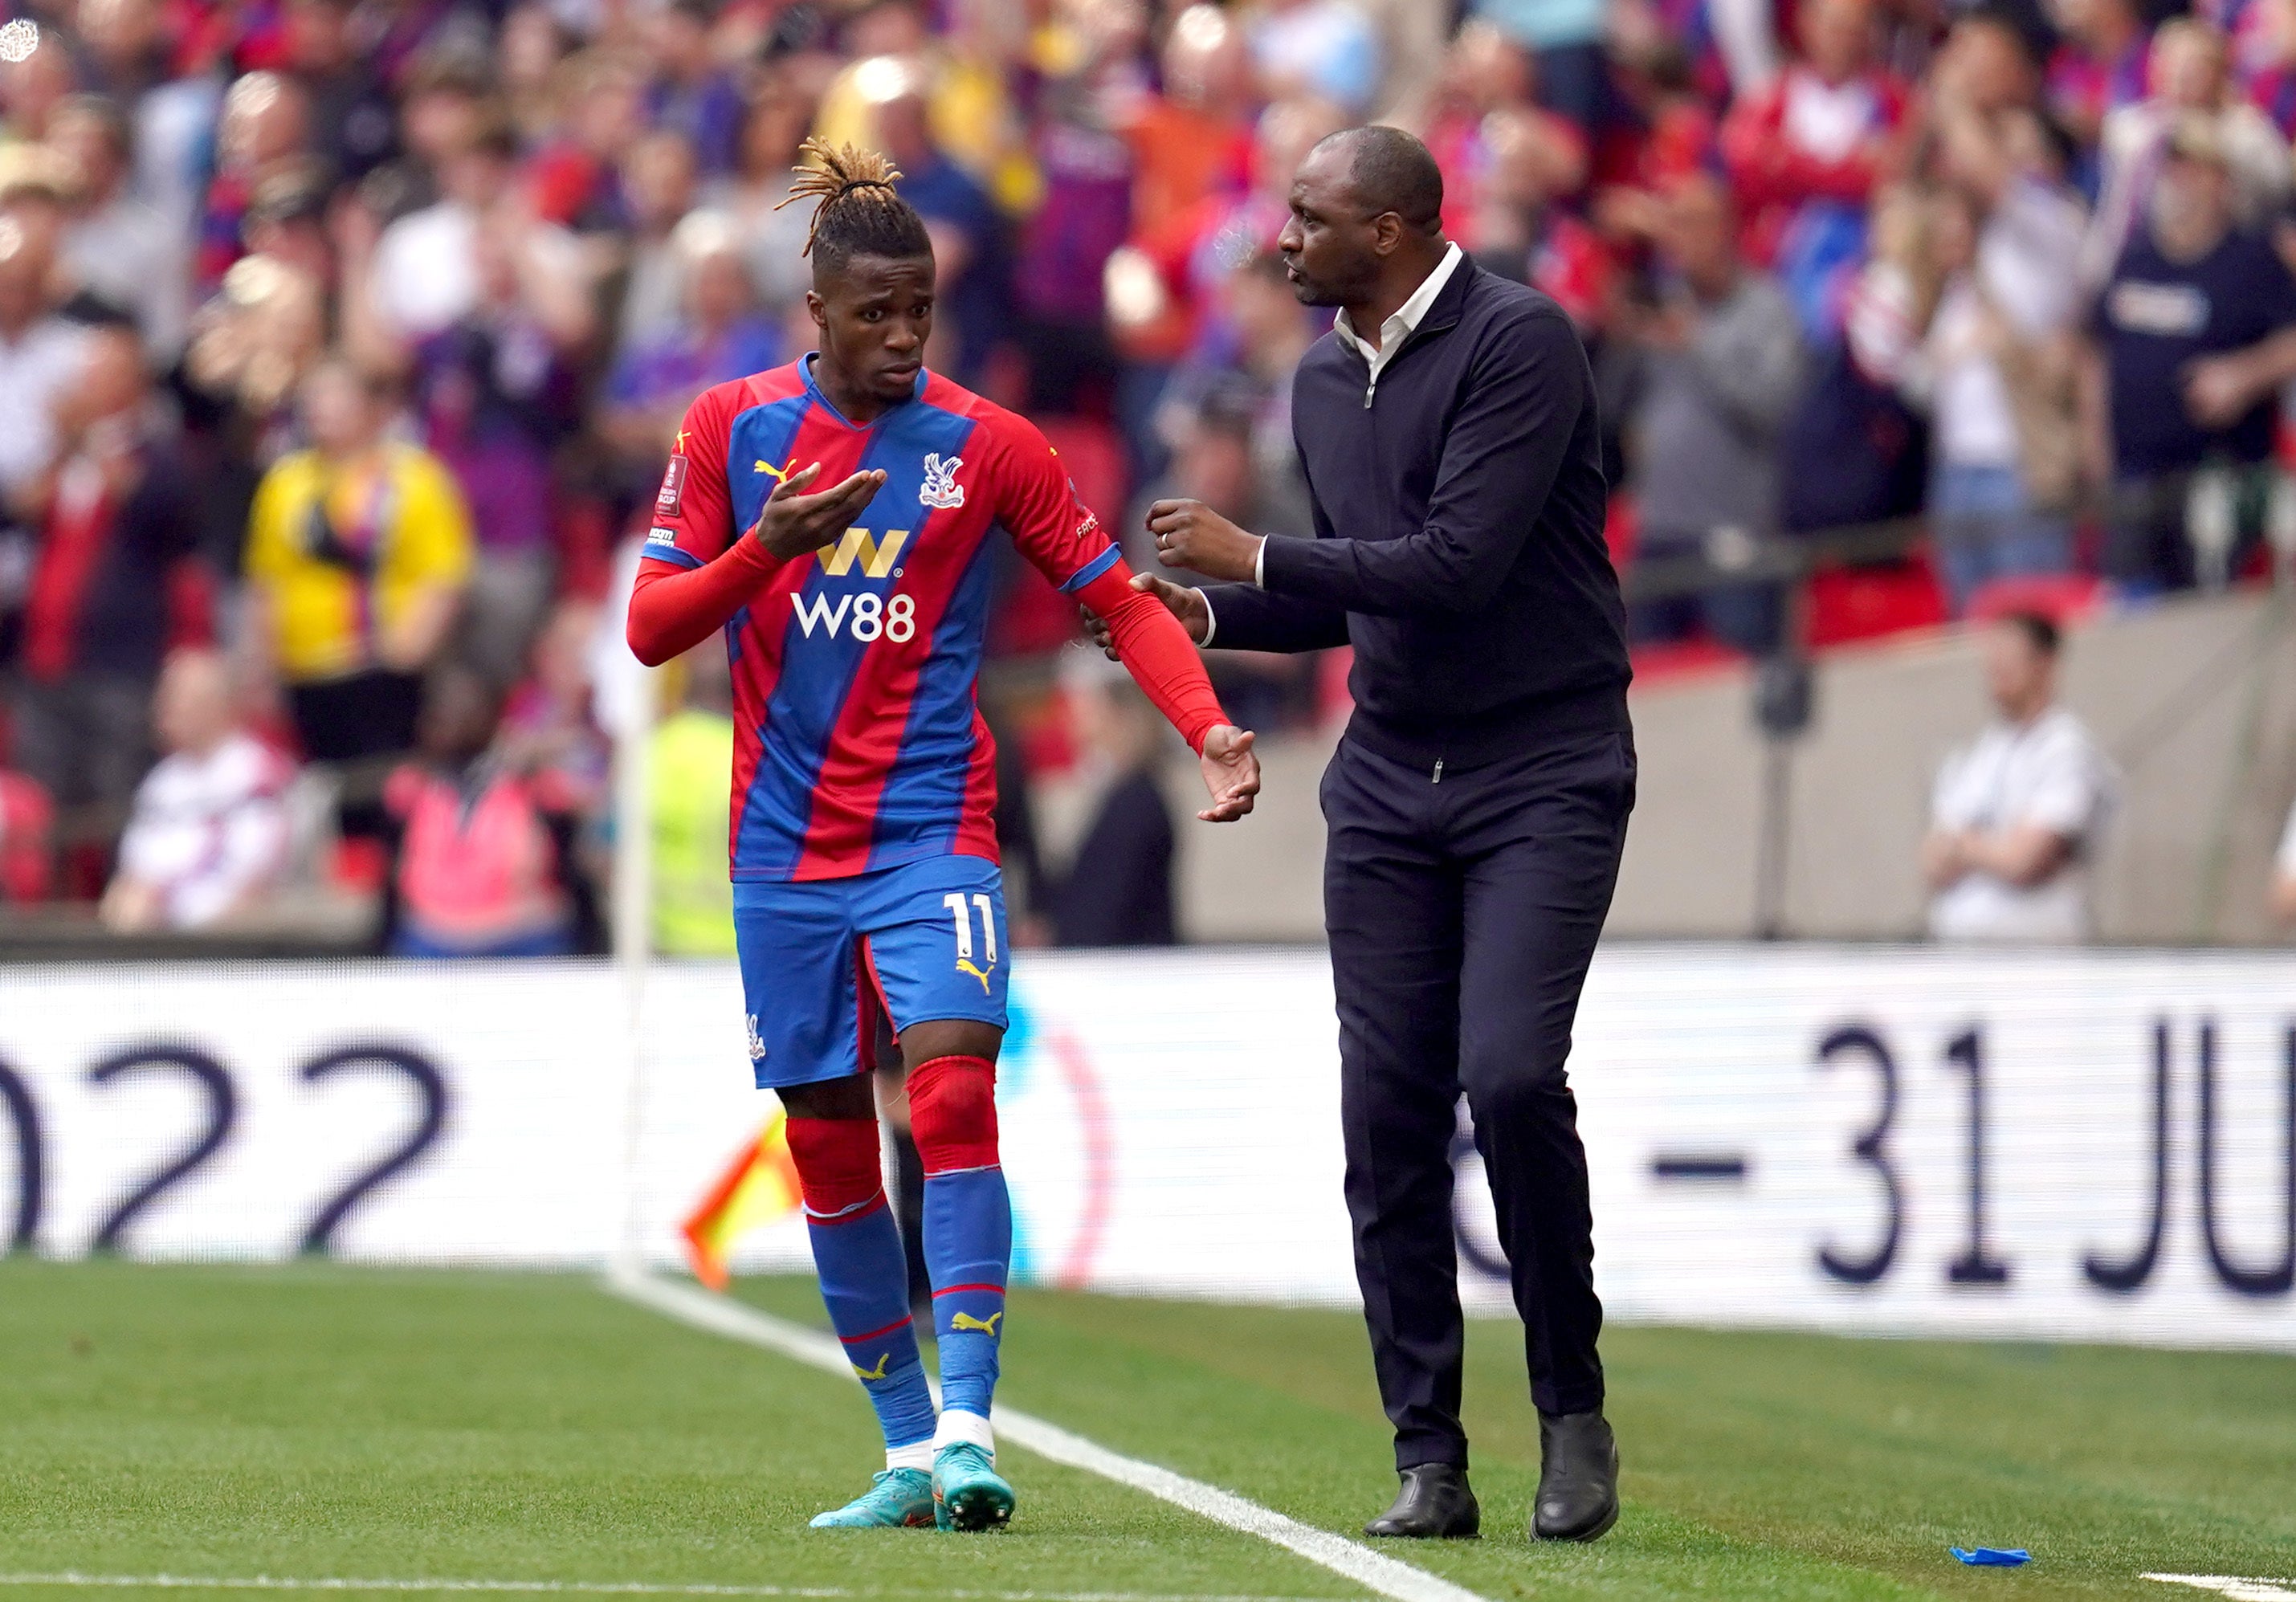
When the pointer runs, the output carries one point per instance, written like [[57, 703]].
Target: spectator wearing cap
[[2018, 817], [2194, 333], [115, 525], [119, 249], [208, 836], [358, 553]]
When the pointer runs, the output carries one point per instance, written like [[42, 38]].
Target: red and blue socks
[[856, 1250], [968, 1219]]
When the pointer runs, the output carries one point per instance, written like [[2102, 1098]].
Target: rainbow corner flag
[[760, 1186]]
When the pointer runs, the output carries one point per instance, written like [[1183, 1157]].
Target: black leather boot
[[1434, 1500], [1577, 1478]]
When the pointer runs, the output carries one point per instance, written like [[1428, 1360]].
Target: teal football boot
[[897, 1499], [967, 1492]]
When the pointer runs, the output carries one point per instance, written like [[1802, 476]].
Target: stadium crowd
[[341, 342]]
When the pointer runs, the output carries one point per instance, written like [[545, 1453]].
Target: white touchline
[[2228, 1585], [587, 1588], [1375, 1571]]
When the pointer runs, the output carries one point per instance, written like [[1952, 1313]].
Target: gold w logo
[[965, 1320], [965, 966], [879, 1372], [875, 556]]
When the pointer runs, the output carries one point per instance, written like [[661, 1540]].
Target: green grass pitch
[[328, 1422]]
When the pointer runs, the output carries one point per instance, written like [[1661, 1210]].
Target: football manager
[[1477, 805]]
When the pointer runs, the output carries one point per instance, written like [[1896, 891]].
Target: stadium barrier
[[2096, 1146]]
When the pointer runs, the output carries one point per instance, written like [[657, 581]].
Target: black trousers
[[1463, 912]]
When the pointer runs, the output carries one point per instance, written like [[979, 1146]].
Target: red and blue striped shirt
[[857, 742]]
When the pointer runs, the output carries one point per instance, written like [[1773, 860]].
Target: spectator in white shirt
[[121, 250], [2017, 816], [210, 833]]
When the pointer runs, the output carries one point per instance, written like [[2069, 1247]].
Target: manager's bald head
[[1366, 212]]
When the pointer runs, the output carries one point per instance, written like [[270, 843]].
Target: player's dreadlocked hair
[[860, 213]]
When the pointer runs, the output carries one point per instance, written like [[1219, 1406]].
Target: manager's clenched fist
[[1190, 534]]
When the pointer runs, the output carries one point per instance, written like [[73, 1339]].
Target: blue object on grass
[[1998, 1557]]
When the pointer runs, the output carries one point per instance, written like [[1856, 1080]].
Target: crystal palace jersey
[[857, 744]]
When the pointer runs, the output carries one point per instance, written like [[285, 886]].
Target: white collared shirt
[[1399, 326], [1402, 323]]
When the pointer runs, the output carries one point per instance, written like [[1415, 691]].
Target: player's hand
[[1190, 534], [1231, 773], [795, 523], [1183, 601]]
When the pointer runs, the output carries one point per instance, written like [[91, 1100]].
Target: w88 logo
[[871, 615]]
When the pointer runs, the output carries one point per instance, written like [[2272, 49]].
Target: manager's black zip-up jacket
[[1459, 535]]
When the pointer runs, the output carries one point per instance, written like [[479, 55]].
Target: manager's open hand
[[1183, 602], [1231, 773], [1190, 534]]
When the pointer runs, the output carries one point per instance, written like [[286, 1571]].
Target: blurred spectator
[[1485, 88], [772, 236], [550, 724], [2191, 83], [967, 233], [115, 525], [1805, 154], [27, 846], [2018, 817], [1565, 39], [265, 130], [358, 553], [657, 189], [40, 354], [1721, 369], [355, 124], [483, 854], [210, 833], [720, 336], [117, 249], [251, 347], [1326, 48], [1118, 887], [1518, 230], [497, 392], [424, 272], [692, 95], [1059, 276], [691, 811], [2196, 331], [1997, 365], [2099, 66]]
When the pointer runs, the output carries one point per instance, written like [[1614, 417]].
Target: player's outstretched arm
[[1156, 650], [671, 612]]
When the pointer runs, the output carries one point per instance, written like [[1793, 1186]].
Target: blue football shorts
[[824, 960]]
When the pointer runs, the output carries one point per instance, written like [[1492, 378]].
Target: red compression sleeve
[[1157, 652], [671, 612]]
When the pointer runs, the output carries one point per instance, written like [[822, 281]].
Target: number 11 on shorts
[[961, 916]]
